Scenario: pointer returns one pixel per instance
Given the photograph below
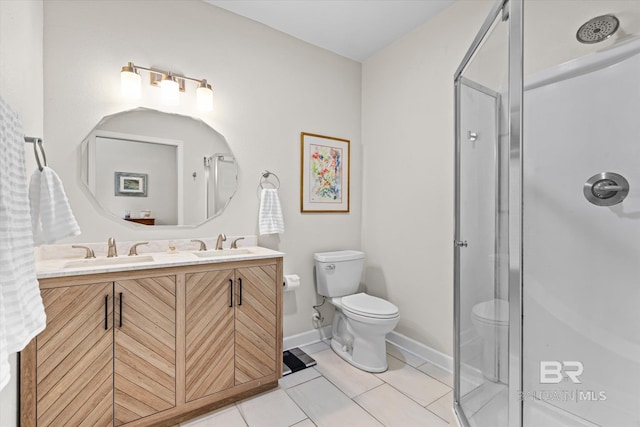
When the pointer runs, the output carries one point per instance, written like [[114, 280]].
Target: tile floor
[[335, 394]]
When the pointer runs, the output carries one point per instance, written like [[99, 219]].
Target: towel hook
[[35, 152], [263, 179]]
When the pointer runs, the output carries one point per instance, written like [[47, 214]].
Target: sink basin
[[222, 253], [97, 262]]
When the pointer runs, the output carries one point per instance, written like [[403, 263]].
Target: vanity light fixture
[[170, 83], [170, 89], [204, 96], [130, 82]]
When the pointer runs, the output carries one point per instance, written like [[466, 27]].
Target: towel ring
[[263, 179], [35, 152]]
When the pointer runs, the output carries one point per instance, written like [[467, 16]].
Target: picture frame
[[324, 173], [130, 184]]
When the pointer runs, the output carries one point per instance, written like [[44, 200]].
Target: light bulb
[[204, 96], [170, 89], [130, 82]]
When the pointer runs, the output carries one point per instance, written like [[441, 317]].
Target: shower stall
[[547, 236], [220, 180]]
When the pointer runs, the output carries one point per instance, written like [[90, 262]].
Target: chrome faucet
[[89, 252], [234, 244], [112, 250], [203, 245], [133, 250], [221, 238]]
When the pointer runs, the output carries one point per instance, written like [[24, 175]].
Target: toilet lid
[[370, 306], [493, 311]]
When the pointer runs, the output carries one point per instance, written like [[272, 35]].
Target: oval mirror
[[155, 168]]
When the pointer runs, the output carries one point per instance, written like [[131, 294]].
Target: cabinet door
[[74, 355], [255, 344], [209, 328], [145, 347]]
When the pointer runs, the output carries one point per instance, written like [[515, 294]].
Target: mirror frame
[[179, 144]]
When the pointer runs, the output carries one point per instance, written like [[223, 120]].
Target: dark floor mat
[[294, 360]]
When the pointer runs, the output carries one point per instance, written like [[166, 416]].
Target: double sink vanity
[[151, 339]]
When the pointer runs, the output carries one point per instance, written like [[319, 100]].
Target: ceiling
[[355, 29]]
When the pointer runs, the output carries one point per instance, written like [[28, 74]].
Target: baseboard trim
[[305, 338], [423, 351]]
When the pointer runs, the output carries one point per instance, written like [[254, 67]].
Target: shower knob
[[606, 189], [600, 188]]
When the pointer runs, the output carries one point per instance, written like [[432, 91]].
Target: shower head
[[597, 29]]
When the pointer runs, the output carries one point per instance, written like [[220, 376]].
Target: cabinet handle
[[120, 323], [106, 312], [230, 292], [240, 291]]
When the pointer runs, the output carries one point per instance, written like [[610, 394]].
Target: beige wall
[[268, 87], [21, 61], [408, 141], [21, 87]]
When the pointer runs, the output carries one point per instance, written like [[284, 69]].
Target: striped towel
[[270, 216], [22, 314], [51, 216]]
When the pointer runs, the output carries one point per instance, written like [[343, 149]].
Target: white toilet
[[491, 320], [361, 321]]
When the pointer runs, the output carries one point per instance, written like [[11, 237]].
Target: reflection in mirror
[[155, 168]]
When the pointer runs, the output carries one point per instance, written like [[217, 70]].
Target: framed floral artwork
[[324, 173]]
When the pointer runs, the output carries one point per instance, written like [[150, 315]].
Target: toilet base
[[344, 353], [362, 345]]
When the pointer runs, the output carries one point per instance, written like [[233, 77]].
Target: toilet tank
[[338, 273]]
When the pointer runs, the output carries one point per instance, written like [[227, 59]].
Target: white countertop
[[61, 267]]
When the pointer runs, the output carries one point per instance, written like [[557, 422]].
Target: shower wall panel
[[581, 268]]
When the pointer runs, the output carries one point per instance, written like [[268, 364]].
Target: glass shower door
[[481, 232]]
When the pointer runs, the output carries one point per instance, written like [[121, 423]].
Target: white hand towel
[[51, 216], [22, 314], [270, 216]]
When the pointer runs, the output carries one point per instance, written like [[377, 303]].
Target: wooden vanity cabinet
[[209, 357], [256, 347], [231, 328], [74, 357], [107, 355], [144, 356], [153, 347]]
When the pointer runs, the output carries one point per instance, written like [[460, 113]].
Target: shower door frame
[[513, 9]]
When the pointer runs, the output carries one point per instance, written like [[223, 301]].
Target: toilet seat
[[369, 306], [494, 312]]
